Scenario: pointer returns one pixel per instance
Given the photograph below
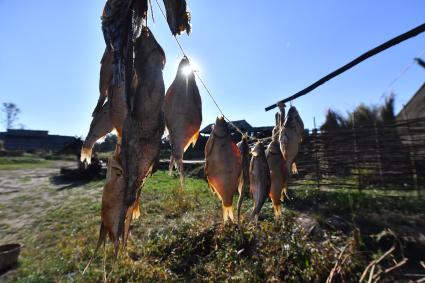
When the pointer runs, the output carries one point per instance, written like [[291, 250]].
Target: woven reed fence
[[364, 157]]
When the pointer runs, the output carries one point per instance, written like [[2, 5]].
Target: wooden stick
[[336, 266], [361, 58], [372, 270], [373, 263], [401, 263]]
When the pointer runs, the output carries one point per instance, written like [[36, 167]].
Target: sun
[[187, 70]]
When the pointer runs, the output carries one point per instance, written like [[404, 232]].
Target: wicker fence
[[364, 157]]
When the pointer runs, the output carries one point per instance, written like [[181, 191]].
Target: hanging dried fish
[[244, 149], [259, 178], [105, 79], [121, 19], [110, 116], [278, 173], [183, 114], [112, 204], [178, 17], [144, 124], [100, 126], [291, 137], [223, 166]]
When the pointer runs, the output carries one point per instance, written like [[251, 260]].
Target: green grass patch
[[180, 237], [14, 163]]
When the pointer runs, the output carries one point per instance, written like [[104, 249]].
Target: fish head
[[258, 149], [274, 147], [292, 114], [293, 120], [221, 128], [243, 145], [146, 48]]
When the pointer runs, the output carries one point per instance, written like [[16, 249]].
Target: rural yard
[[212, 141], [180, 235]]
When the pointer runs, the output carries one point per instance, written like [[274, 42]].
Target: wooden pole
[[411, 153], [356, 157], [378, 150], [390, 43], [315, 132]]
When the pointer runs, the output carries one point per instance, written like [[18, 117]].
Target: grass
[[179, 237], [14, 163]]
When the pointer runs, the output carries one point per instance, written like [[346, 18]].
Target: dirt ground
[[26, 194]]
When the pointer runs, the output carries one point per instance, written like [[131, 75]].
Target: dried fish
[[144, 124], [183, 114], [178, 17], [291, 137], [223, 166], [259, 178]]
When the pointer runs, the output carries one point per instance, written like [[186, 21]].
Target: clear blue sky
[[250, 53]]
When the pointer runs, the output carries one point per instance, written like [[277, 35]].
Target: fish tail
[[86, 155], [277, 210], [228, 213], [171, 166], [166, 131], [100, 241], [294, 168], [127, 223], [136, 210], [256, 211], [180, 169], [116, 247]]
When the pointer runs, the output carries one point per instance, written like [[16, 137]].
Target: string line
[[402, 73], [208, 90]]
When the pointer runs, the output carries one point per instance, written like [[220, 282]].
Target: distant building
[[34, 140], [411, 132], [245, 127], [415, 108]]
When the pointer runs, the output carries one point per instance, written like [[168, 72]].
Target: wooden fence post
[[411, 153], [315, 133], [356, 161], [378, 149]]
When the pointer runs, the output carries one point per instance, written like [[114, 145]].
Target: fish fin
[[100, 241], [86, 155], [192, 141], [99, 105], [294, 168], [285, 193], [212, 188], [195, 138]]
